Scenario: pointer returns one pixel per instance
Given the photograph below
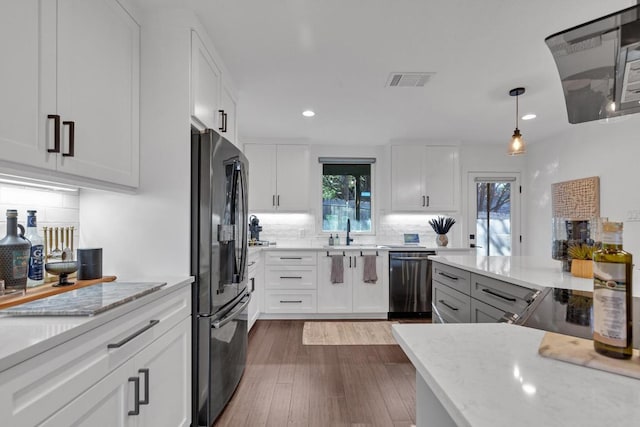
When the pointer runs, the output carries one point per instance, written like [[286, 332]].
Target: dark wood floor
[[290, 384]]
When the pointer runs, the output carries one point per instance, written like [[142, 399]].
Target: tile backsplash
[[54, 208], [289, 228]]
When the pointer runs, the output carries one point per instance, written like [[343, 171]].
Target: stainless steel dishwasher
[[409, 284]]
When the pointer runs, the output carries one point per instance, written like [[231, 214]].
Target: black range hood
[[599, 66]]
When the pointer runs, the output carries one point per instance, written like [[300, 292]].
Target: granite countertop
[[26, 336], [491, 375], [527, 271]]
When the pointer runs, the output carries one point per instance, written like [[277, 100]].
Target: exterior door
[[494, 213]]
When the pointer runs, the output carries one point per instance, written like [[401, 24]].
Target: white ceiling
[[335, 56]]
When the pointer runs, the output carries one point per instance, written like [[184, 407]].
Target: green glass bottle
[[612, 295]]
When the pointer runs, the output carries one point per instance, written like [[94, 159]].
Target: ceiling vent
[[408, 79]]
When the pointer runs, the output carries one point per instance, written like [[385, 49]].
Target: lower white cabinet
[[92, 379], [256, 284], [290, 282], [354, 295]]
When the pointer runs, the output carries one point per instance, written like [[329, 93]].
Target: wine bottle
[[36, 259], [612, 295], [14, 254]]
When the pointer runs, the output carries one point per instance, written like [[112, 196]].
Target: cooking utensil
[[62, 269], [57, 253], [67, 253]]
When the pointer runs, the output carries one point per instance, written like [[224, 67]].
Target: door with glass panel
[[494, 213]]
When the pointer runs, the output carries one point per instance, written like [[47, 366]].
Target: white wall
[[148, 234], [608, 150]]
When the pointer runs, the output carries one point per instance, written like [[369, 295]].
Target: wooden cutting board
[[579, 351], [48, 290]]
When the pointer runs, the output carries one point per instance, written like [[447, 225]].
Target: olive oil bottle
[[612, 295]]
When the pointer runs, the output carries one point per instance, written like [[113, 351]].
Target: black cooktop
[[568, 312]]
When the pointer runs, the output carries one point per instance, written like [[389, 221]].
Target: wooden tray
[[48, 289], [579, 351]]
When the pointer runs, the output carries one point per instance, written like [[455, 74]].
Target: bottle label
[[610, 304], [36, 262], [31, 221], [20, 264]]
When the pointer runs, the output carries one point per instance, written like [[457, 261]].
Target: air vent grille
[[408, 79]]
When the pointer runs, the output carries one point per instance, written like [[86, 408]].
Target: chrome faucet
[[349, 239]]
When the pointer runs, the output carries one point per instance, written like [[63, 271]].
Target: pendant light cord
[[517, 111]]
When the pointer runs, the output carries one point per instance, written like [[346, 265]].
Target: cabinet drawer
[[290, 302], [484, 313], [502, 295], [290, 258], [452, 305], [453, 277], [291, 277]]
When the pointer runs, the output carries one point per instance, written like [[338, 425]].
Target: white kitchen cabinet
[[278, 177], [71, 102], [206, 79], [256, 284], [353, 295], [86, 379], [290, 281], [229, 112], [425, 178]]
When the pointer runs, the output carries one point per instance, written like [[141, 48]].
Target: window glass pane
[[346, 194], [493, 220]]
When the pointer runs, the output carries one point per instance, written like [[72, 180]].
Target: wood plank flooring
[[290, 384]]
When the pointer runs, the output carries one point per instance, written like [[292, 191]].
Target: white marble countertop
[[25, 337], [527, 271], [301, 246], [491, 375]]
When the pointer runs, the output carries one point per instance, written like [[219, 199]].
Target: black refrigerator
[[219, 264]]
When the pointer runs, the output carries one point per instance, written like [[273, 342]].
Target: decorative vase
[[14, 254], [582, 268], [442, 240]]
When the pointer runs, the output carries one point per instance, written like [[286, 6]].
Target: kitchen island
[[491, 375]]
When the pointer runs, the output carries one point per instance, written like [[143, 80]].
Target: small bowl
[[62, 269]]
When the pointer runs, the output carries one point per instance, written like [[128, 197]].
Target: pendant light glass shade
[[517, 145]]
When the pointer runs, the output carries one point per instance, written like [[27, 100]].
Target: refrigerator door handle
[[233, 313]]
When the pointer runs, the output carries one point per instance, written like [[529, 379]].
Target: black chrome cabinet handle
[[291, 277], [253, 284], [424, 203], [72, 138], [146, 386], [447, 276], [495, 294], [448, 306], [273, 200], [290, 257], [349, 262], [427, 201], [119, 344], [221, 127], [354, 261], [291, 302], [136, 395], [224, 121], [56, 131], [278, 200]]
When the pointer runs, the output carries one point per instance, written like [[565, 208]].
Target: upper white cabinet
[[425, 178], [71, 100], [278, 177], [206, 80], [213, 100]]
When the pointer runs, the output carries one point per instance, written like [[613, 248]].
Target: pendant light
[[516, 146]]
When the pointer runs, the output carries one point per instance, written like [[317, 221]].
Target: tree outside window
[[346, 194]]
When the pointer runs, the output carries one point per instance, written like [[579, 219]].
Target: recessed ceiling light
[[529, 116], [308, 113]]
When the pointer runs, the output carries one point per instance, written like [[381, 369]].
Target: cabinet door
[[27, 78], [292, 178], [107, 403], [98, 90], [205, 86], [407, 178], [335, 297], [164, 369], [484, 313], [229, 106], [442, 178], [262, 177], [370, 297]]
